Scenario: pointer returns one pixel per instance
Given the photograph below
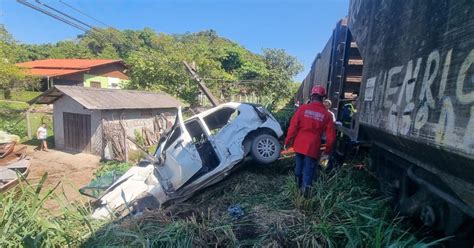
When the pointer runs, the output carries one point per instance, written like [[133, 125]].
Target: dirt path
[[72, 170]]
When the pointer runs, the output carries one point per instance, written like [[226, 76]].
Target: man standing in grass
[[42, 134], [306, 128]]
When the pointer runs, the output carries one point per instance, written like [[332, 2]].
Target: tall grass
[[343, 211], [26, 222]]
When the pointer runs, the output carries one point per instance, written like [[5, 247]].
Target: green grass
[[20, 95], [13, 119], [26, 222], [343, 210]]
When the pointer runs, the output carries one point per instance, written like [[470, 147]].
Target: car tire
[[265, 149]]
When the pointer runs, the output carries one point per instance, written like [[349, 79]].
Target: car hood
[[136, 182]]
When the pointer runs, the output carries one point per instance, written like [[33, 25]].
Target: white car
[[194, 154]]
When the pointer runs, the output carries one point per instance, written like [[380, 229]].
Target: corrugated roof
[[97, 98], [58, 67]]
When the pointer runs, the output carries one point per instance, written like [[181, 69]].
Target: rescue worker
[[327, 103], [304, 133], [348, 111]]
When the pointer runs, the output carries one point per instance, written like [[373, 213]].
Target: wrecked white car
[[192, 155]]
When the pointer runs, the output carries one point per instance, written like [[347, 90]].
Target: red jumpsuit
[[306, 128]]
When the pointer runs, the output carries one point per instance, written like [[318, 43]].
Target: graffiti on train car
[[428, 98]]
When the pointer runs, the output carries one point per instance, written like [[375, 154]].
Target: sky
[[301, 27]]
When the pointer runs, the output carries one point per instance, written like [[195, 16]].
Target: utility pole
[[201, 85]]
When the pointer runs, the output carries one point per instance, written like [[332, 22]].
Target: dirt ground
[[72, 170]]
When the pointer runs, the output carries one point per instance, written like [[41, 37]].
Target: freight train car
[[415, 104]]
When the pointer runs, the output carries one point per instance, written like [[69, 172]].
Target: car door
[[181, 158]]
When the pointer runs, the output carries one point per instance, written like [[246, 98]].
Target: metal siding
[[423, 96], [433, 40]]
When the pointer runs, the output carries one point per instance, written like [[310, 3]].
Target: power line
[[81, 12], [64, 14], [24, 2], [93, 31]]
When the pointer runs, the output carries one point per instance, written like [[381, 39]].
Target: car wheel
[[265, 149]]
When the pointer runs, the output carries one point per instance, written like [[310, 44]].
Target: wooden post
[[28, 124]]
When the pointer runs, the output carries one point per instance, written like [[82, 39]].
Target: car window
[[216, 120], [196, 131]]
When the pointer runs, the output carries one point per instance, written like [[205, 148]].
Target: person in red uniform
[[307, 126]]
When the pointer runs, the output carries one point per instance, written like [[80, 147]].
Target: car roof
[[224, 105]]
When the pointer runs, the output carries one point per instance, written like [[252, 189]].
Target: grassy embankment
[[344, 210]]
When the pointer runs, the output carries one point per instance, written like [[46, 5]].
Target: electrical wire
[[64, 14], [94, 32], [84, 14], [24, 2]]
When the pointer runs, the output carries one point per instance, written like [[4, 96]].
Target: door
[[182, 159], [77, 132]]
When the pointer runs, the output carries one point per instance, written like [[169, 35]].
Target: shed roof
[[97, 98], [59, 67]]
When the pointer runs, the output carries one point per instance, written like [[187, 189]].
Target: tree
[[11, 76], [155, 61], [281, 67]]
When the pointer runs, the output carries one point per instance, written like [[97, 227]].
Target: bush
[[20, 95], [12, 127], [108, 166]]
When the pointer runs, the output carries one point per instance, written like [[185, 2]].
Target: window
[[95, 84], [196, 131], [215, 121]]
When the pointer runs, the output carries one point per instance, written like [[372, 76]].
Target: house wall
[[135, 120], [116, 70], [69, 105], [107, 75], [105, 82]]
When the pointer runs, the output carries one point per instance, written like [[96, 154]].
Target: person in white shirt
[[42, 134], [327, 103]]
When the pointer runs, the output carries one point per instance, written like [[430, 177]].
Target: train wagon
[[415, 102]]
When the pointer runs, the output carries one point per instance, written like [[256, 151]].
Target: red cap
[[318, 90]]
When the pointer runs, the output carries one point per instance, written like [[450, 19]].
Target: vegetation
[[343, 211], [109, 166], [13, 119], [26, 222], [156, 62], [11, 76], [20, 95]]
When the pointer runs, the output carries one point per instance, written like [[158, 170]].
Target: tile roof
[[58, 67], [101, 99]]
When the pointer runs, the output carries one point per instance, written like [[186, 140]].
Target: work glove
[[324, 160]]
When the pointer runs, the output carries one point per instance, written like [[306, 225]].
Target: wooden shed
[[98, 121]]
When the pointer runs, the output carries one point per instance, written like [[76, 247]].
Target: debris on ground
[[235, 211], [7, 138]]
